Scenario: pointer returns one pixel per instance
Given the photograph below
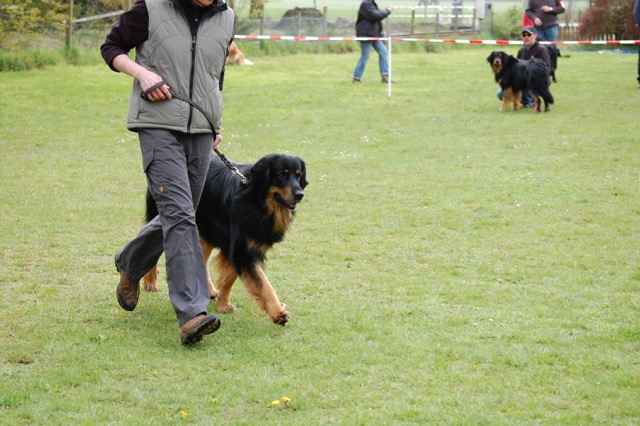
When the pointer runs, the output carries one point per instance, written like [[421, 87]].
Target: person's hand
[[146, 78], [150, 79], [390, 8], [546, 9], [216, 141], [537, 22]]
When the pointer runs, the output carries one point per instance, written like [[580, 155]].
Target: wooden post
[[69, 26], [413, 21], [325, 13], [473, 24]]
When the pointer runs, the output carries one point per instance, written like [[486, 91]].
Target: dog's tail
[[537, 76], [546, 95]]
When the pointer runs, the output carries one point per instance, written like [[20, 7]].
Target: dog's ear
[[261, 171], [490, 57], [303, 178]]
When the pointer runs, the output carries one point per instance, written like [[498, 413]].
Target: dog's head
[[282, 178], [497, 60]]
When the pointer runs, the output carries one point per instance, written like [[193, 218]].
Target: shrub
[[30, 16], [508, 24], [608, 17], [27, 60]]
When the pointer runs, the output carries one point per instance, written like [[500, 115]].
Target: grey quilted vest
[[191, 67]]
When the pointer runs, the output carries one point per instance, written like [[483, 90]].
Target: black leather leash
[[224, 159]]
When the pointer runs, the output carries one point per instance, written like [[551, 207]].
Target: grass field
[[450, 263]]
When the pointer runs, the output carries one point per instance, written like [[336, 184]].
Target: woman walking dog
[[181, 46]]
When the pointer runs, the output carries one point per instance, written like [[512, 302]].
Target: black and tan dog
[[516, 75], [243, 221]]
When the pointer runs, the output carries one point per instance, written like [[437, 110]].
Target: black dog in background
[[243, 221], [554, 54], [516, 75]]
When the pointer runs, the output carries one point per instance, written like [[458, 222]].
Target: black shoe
[[355, 80], [197, 327]]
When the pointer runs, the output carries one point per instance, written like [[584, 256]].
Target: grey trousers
[[176, 166]]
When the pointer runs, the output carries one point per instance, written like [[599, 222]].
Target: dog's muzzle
[[297, 197]]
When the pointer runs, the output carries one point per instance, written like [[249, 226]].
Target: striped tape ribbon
[[432, 40]]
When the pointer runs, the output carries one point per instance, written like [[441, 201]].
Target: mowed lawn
[[450, 263]]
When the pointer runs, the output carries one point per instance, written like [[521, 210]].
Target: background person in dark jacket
[[369, 24], [544, 14]]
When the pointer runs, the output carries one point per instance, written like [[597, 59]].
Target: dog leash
[[222, 157]]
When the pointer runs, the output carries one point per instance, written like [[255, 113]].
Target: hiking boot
[[127, 291], [355, 80], [385, 79], [197, 327]]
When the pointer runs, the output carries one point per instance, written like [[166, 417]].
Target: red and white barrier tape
[[432, 40]]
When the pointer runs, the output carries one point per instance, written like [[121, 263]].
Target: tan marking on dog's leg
[[206, 254], [517, 100], [507, 96], [151, 279], [226, 277], [259, 288], [536, 104]]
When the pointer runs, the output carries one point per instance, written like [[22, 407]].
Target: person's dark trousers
[[176, 166], [638, 65]]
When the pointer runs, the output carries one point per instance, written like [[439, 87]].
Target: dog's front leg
[[517, 100], [260, 289], [151, 279], [507, 95]]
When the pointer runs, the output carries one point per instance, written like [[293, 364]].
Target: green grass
[[450, 264]]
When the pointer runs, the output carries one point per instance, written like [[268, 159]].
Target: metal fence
[[424, 20], [431, 19]]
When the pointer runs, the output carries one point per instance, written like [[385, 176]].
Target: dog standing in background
[[515, 75], [236, 57]]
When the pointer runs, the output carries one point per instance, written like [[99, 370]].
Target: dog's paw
[[226, 308], [150, 286], [151, 279], [281, 318], [213, 293]]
